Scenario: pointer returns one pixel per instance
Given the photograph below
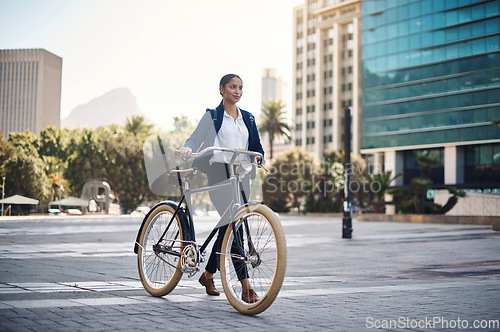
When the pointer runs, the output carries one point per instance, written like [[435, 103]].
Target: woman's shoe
[[209, 285], [249, 296]]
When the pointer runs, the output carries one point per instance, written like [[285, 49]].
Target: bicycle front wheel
[[158, 262], [260, 256]]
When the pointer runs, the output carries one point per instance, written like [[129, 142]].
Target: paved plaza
[[80, 274]]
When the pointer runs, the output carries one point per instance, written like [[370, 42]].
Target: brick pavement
[[80, 275]]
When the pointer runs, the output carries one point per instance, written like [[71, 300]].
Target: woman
[[229, 127]]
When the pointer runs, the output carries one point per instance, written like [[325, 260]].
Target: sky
[[170, 54]]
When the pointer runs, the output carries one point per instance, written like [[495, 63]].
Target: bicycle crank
[[190, 260]]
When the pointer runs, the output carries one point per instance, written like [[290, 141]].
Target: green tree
[[325, 194], [183, 128], [53, 149], [88, 160], [273, 122], [54, 142], [138, 126], [6, 152], [452, 200], [359, 186], [25, 170], [379, 184], [291, 175], [126, 172], [54, 168], [423, 183]]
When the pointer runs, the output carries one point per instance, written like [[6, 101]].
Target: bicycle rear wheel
[[263, 260], [160, 272]]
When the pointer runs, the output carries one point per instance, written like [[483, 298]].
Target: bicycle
[[166, 244]]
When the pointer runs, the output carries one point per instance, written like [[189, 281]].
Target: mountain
[[114, 106]]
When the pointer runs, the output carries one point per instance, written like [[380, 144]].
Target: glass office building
[[431, 83]]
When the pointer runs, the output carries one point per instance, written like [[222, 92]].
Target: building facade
[[431, 84], [272, 85], [30, 90], [272, 90], [326, 74]]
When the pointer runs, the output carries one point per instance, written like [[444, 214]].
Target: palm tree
[[273, 122], [380, 184], [137, 125], [452, 200], [423, 183]]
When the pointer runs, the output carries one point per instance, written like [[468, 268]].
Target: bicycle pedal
[[196, 270], [202, 256]]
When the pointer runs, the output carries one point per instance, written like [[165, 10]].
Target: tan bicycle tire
[[146, 259], [267, 293]]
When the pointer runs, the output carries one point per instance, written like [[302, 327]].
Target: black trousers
[[222, 199]]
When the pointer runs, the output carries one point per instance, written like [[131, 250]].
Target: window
[[311, 38], [350, 28], [412, 168], [482, 163], [350, 46], [311, 23]]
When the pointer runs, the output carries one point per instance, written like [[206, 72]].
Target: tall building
[[272, 90], [431, 84], [272, 85], [327, 74], [30, 90]]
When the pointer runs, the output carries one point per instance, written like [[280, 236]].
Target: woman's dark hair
[[226, 78]]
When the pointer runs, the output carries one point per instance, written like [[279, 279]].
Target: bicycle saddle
[[175, 174]]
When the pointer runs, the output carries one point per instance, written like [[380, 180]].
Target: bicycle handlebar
[[234, 151]]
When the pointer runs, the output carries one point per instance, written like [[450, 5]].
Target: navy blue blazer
[[204, 136]]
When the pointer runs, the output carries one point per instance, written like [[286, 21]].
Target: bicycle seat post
[[234, 178]]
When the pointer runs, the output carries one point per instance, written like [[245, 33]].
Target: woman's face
[[232, 91]]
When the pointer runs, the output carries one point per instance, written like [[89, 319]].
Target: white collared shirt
[[232, 134]]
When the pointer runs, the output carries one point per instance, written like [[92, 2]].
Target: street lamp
[[3, 191], [61, 189], [347, 221]]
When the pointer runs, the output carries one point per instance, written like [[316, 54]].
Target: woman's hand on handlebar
[[259, 161], [185, 152]]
